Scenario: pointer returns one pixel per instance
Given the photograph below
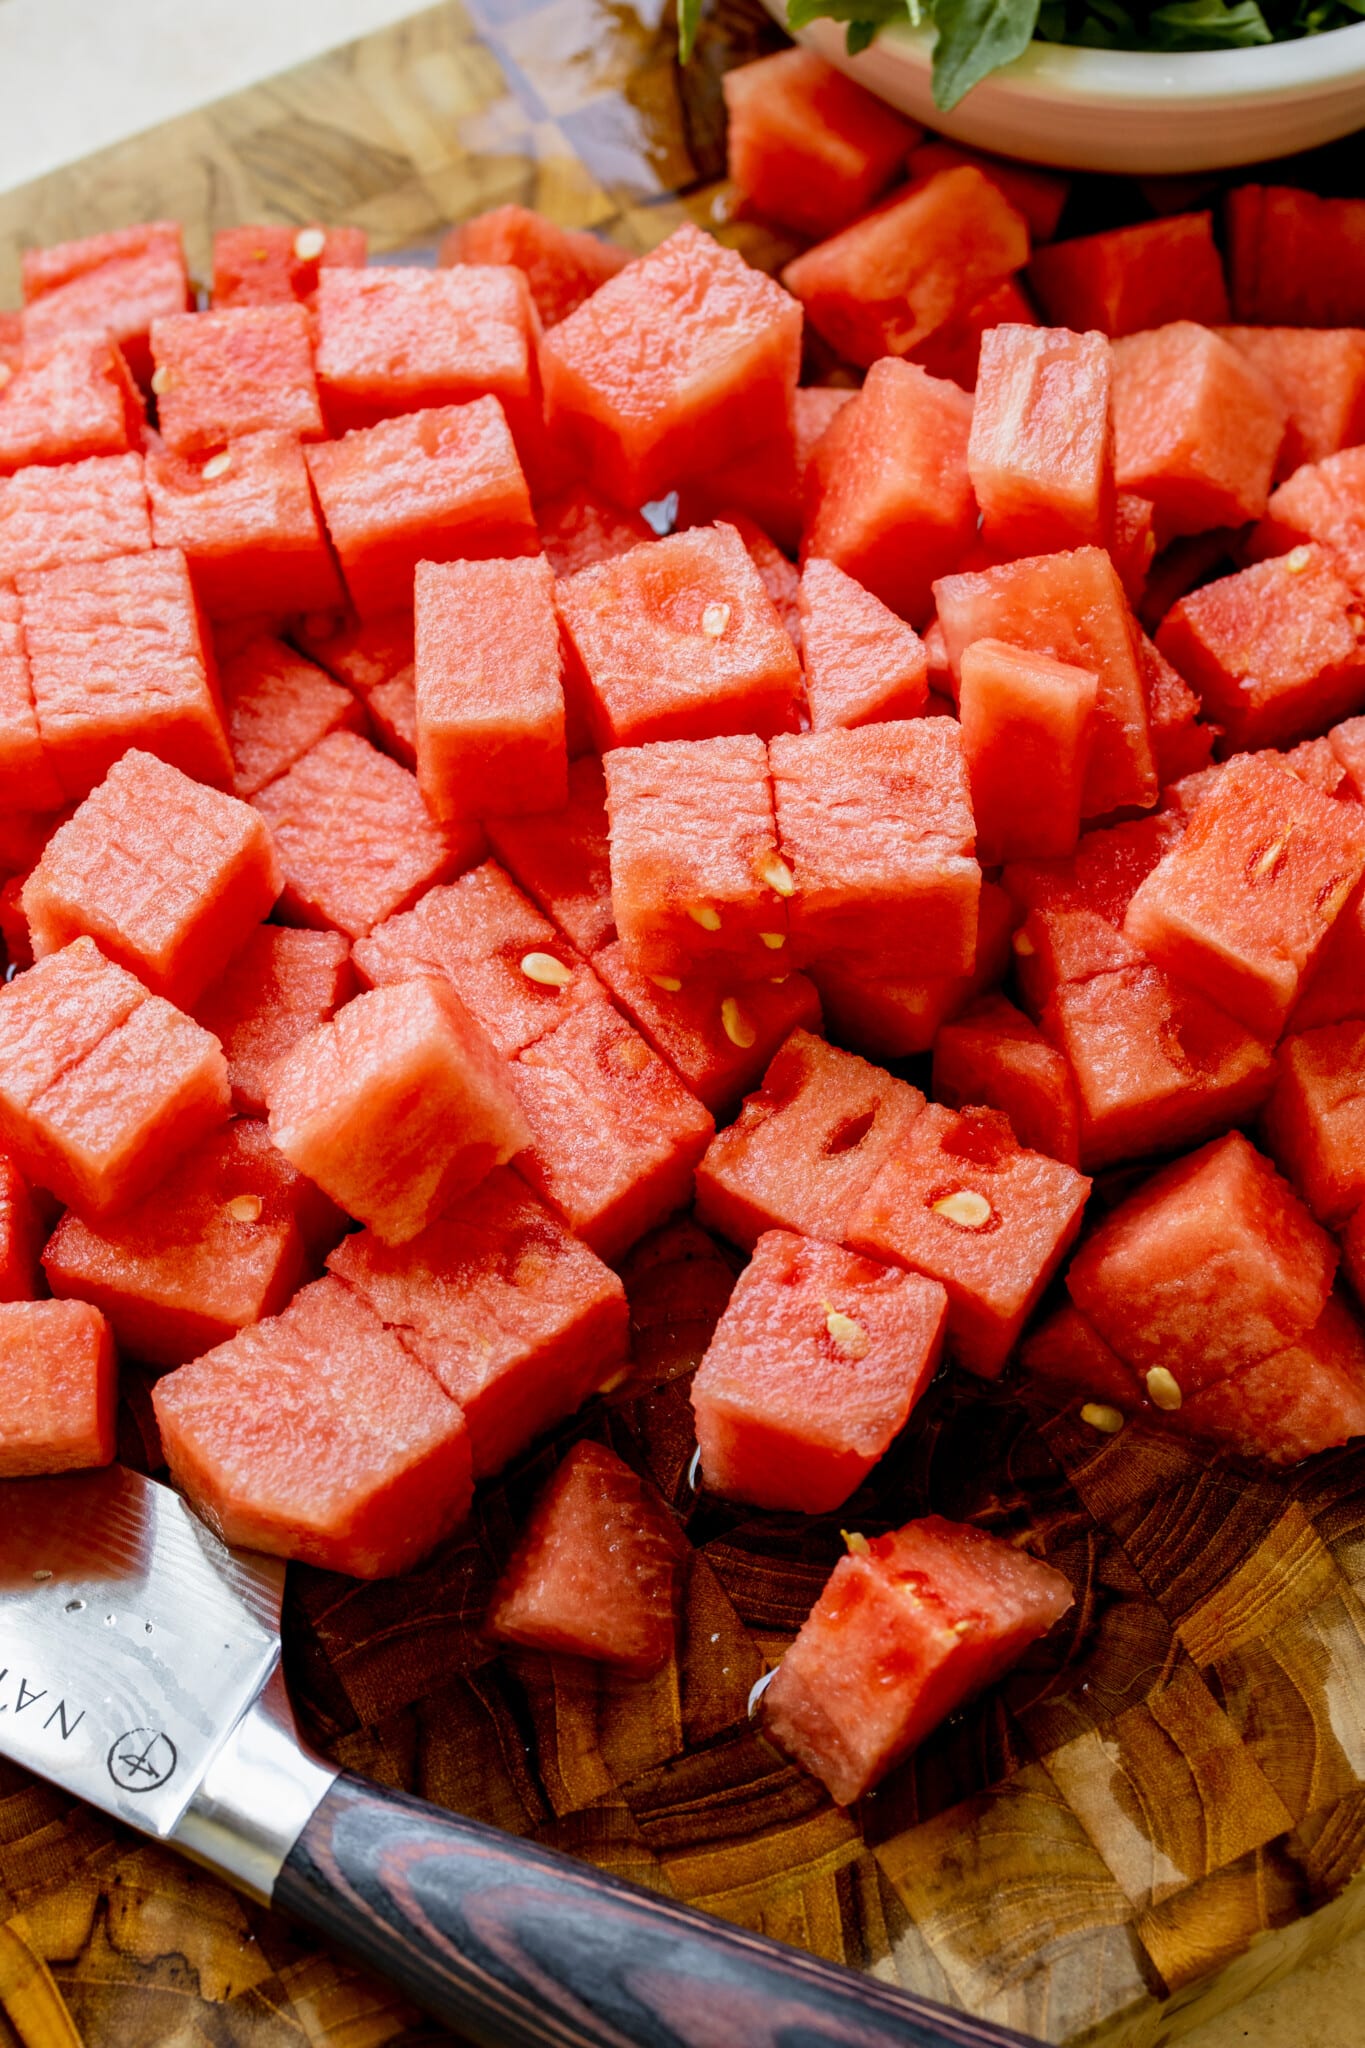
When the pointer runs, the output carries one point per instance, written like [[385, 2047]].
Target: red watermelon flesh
[[110, 286], [1197, 428], [1315, 1120], [1068, 1357], [269, 266], [1214, 1264], [278, 706], [26, 776], [1038, 194], [1041, 453], [1027, 722], [961, 1201], [888, 1018], [1181, 745], [562, 859], [1072, 607], [220, 375], [1295, 259], [168, 876], [804, 1149], [1318, 375], [954, 350], [598, 1571], [21, 1235], [222, 1241], [578, 530], [1334, 987], [614, 1134], [993, 1055], [562, 266], [62, 404], [776, 573], [1347, 742], [1310, 1397], [392, 711], [806, 146], [718, 1043], [1353, 1254], [387, 1473], [1074, 909], [61, 1387], [516, 1319], [1325, 502], [248, 525], [276, 989], [362, 654], [907, 1627], [506, 962], [1132, 544], [863, 664], [73, 512], [1129, 279], [812, 1372], [396, 1106], [697, 884]]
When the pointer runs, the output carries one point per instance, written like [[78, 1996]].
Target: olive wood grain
[[519, 1947]]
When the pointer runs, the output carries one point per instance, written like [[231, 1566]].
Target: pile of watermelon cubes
[[490, 759]]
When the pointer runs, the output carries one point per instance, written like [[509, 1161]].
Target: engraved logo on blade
[[142, 1760]]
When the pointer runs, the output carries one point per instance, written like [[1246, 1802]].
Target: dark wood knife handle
[[516, 1946]]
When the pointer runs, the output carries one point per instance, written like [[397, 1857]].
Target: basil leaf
[[976, 37], [858, 35], [1207, 24]]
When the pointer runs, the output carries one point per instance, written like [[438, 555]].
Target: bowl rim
[[1331, 61]]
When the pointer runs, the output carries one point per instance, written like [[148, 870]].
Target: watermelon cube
[[486, 745], [912, 266], [516, 1319], [1074, 909], [875, 826], [767, 481], [111, 286], [1325, 502], [614, 1134], [61, 1387], [222, 1241], [1197, 428], [360, 653], [1295, 259], [888, 1017], [27, 778], [906, 1628], [354, 838], [678, 640], [118, 660], [102, 1086], [1041, 453], [1181, 745], [1026, 726], [578, 530], [74, 512], [812, 1372], [961, 1201], [697, 884], [562, 859], [248, 525], [805, 145], [506, 963], [954, 350], [437, 486], [1210, 1266], [776, 573], [1353, 1253], [21, 1235], [404, 340], [1315, 1120], [598, 1571], [1129, 279], [1155, 1066], [396, 1106], [278, 706], [562, 266], [1132, 543], [1318, 375], [277, 988], [684, 357], [992, 1055], [220, 375], [65, 403], [863, 664], [168, 876], [1240, 906], [314, 1435], [888, 496], [805, 1148], [1275, 652], [719, 1044], [1307, 1398], [1333, 989], [269, 266], [1070, 606], [1039, 195], [392, 711], [1068, 1357]]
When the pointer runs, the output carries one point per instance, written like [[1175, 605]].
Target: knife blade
[[140, 1670]]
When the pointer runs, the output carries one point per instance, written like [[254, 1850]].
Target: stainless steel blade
[[131, 1640]]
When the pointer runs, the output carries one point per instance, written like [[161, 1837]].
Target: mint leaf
[[976, 37], [689, 21]]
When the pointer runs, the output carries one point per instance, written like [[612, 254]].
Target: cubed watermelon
[[598, 1571], [1295, 259], [1197, 428], [396, 1106], [101, 1085], [1068, 1357], [61, 1385], [73, 400], [684, 357], [221, 375], [516, 1319], [1038, 194], [813, 1370], [73, 512], [562, 859], [1324, 502], [409, 339], [863, 664], [1334, 987], [1132, 544], [1074, 909], [248, 525], [386, 1474], [994, 1056], [437, 486], [1026, 729], [111, 286], [392, 712], [269, 266], [888, 1017], [21, 1234], [578, 530], [28, 781], [1128, 279], [278, 706], [1307, 1398], [277, 988], [805, 145], [776, 571], [805, 1148], [1315, 1120], [1318, 375], [360, 653], [562, 266], [907, 1627], [1181, 744], [1041, 453]]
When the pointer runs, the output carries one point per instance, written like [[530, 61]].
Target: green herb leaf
[[976, 37], [858, 35], [1207, 24], [689, 20], [800, 12]]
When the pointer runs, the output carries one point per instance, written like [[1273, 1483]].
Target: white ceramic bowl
[[1126, 110]]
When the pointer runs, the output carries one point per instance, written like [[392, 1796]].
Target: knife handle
[[516, 1946]]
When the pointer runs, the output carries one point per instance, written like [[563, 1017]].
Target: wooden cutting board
[[1160, 1810]]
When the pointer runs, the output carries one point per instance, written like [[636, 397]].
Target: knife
[[140, 1670]]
